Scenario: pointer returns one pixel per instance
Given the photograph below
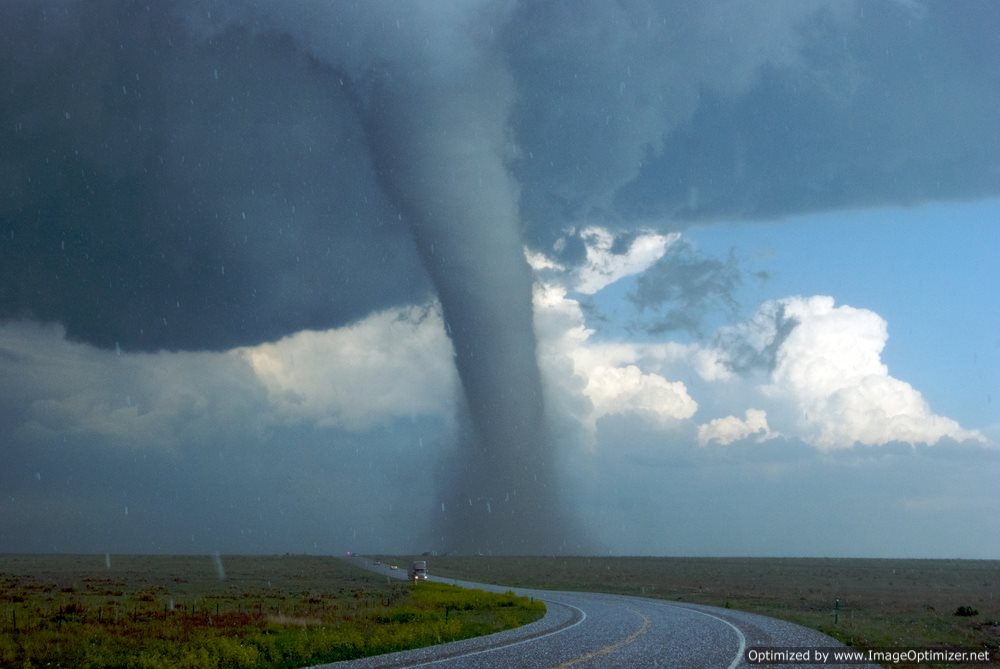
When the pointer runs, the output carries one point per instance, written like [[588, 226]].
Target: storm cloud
[[206, 175]]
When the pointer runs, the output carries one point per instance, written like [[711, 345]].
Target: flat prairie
[[882, 602], [212, 611]]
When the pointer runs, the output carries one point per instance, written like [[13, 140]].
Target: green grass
[[146, 612], [893, 603]]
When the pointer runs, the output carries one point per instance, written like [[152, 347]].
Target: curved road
[[599, 630]]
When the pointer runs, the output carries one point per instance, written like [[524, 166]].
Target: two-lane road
[[599, 630]]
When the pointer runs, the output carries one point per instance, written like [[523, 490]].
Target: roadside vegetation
[[147, 612], [883, 603]]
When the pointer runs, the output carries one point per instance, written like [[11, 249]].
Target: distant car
[[392, 566], [378, 562]]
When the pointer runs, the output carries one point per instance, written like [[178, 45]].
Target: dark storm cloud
[[746, 349], [894, 107], [682, 287], [187, 179], [161, 191], [604, 86]]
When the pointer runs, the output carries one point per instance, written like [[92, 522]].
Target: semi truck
[[418, 570]]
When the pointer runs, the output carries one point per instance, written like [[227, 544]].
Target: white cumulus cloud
[[628, 389], [607, 378], [828, 375], [603, 266], [730, 428], [392, 364]]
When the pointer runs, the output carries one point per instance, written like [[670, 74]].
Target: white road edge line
[[743, 639], [583, 616]]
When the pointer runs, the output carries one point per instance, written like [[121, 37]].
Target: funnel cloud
[[439, 150]]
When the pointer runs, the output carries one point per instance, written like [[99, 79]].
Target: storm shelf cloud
[[367, 236]]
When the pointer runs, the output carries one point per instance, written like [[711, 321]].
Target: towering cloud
[[825, 375]]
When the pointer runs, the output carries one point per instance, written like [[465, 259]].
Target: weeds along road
[[583, 629]]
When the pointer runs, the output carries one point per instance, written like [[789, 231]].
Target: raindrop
[[215, 73], [63, 244], [124, 89], [126, 510], [489, 508], [38, 475], [107, 560], [244, 215], [442, 507], [67, 115], [470, 501], [223, 270], [118, 349]]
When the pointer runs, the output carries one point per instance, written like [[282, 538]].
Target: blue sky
[[930, 271]]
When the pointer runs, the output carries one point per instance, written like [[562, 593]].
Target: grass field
[[883, 603], [146, 612]]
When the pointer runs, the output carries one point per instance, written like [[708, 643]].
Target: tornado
[[439, 151], [433, 93]]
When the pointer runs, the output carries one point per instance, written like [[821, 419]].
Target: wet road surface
[[589, 630]]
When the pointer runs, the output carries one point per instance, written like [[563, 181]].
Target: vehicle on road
[[418, 570]]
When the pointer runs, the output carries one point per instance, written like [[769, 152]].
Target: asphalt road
[[598, 630]]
